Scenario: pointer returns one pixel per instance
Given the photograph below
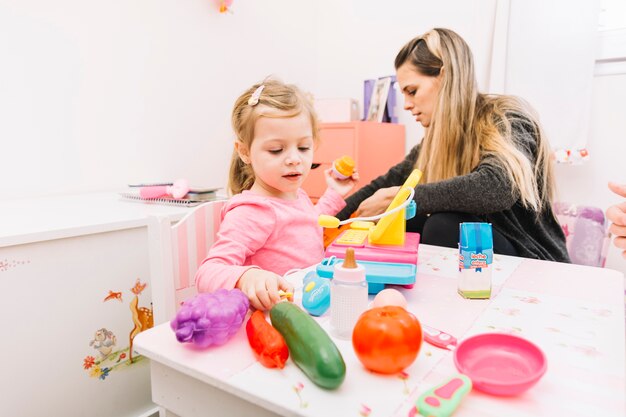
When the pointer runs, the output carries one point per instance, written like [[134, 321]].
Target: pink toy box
[[406, 254], [337, 110]]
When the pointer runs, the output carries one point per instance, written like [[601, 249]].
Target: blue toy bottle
[[315, 294], [475, 258]]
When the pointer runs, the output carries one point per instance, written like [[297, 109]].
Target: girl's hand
[[343, 187], [262, 287], [378, 202]]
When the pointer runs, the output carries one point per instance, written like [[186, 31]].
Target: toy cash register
[[390, 252]]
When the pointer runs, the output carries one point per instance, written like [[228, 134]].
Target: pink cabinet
[[375, 147]]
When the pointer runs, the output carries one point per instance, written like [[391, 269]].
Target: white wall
[[358, 40], [551, 48], [94, 95], [587, 183]]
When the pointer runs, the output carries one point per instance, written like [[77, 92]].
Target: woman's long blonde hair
[[277, 100], [467, 125]]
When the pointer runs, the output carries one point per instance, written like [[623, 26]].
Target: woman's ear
[[441, 73], [439, 78], [243, 151]]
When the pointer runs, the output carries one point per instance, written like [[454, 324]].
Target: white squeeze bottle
[[348, 296]]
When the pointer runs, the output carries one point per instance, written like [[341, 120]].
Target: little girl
[[269, 226]]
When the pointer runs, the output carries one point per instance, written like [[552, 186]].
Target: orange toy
[[343, 167]]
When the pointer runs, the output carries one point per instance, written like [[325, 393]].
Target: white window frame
[[611, 58]]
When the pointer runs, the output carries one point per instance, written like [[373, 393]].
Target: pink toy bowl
[[500, 363]]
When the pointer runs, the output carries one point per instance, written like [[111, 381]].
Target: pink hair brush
[[179, 189]]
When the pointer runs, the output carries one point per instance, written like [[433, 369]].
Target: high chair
[[176, 251]]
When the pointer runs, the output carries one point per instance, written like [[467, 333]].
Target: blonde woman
[[484, 157], [269, 226]]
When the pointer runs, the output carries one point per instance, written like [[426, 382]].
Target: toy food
[[268, 345], [389, 297], [442, 400], [343, 167], [210, 318], [309, 346], [387, 339]]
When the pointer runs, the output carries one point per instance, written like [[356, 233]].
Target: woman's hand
[[378, 202], [261, 287], [343, 187]]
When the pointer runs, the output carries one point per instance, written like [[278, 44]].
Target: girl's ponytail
[[240, 177]]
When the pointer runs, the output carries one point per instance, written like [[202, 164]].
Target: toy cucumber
[[310, 347]]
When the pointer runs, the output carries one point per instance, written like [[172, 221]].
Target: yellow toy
[[390, 230], [388, 253]]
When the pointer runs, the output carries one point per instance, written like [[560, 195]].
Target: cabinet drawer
[[315, 183], [334, 143]]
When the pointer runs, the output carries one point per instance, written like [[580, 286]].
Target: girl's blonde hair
[[277, 100], [467, 125]]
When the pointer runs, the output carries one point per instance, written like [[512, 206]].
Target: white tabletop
[[38, 219], [575, 314]]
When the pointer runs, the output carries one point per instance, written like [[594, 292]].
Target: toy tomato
[[387, 339]]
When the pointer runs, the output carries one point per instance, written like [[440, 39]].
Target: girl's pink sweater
[[266, 232]]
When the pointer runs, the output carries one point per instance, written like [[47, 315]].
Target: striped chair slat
[[188, 244]]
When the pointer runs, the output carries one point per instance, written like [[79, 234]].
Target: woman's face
[[420, 92]]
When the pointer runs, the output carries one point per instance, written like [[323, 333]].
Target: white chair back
[[176, 251]]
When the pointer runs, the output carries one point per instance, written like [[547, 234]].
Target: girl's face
[[281, 155], [420, 92]]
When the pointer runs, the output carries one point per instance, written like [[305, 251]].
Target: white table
[[59, 258], [574, 313]]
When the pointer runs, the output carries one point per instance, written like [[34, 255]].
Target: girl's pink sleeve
[[243, 231], [331, 202]]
